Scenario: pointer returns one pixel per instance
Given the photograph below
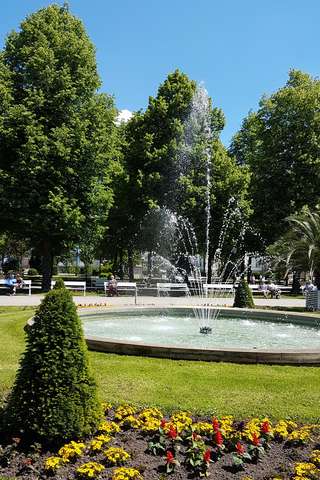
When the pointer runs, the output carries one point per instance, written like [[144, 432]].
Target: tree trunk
[[296, 285], [115, 262], [317, 279], [121, 269], [130, 264], [149, 264], [47, 265]]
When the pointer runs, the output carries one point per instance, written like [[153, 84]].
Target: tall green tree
[[164, 168], [57, 135], [280, 144]]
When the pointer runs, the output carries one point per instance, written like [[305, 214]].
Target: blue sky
[[239, 49]]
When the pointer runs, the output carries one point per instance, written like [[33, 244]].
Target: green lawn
[[219, 388]]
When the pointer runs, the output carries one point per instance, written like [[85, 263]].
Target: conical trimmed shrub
[[243, 296], [54, 396]]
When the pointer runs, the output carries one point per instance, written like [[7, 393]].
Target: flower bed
[[138, 445]]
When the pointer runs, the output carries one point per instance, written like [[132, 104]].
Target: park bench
[[124, 287], [168, 288], [98, 283], [218, 287], [26, 285], [73, 286]]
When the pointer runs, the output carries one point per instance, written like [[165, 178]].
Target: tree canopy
[[280, 144], [57, 135]]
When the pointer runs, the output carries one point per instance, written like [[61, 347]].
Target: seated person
[[113, 286], [309, 287], [264, 288], [19, 281], [11, 284], [274, 290]]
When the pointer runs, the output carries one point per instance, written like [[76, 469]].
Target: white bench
[[26, 285], [99, 283], [172, 287], [73, 286], [124, 287], [218, 287]]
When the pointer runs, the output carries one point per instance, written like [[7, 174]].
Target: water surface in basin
[[181, 329]]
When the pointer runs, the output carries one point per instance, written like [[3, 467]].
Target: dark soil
[[278, 460]]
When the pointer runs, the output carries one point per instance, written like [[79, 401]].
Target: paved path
[[34, 300]]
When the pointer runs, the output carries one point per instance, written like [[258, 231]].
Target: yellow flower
[[226, 426], [89, 469], [148, 413], [203, 428], [308, 470], [106, 407], [98, 442], [53, 463], [315, 457], [109, 427], [181, 421], [124, 411], [116, 455], [301, 435], [71, 450], [130, 422], [150, 425], [124, 473]]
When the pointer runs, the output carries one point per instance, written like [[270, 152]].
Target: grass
[[219, 388]]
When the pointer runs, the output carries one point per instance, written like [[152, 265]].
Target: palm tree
[[305, 242], [299, 249]]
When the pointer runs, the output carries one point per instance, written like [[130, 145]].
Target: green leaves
[[280, 143]]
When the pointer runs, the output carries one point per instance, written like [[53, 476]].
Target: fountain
[[237, 334]]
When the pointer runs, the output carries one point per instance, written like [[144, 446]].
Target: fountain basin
[[240, 336]]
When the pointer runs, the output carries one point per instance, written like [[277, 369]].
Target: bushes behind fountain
[[243, 297]]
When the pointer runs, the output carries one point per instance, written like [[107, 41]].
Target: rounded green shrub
[[32, 272], [243, 296], [54, 396]]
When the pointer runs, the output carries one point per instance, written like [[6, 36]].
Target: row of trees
[[70, 176]]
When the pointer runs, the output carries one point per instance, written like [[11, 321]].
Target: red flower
[[218, 438], [240, 448], [265, 427], [163, 423], [170, 457], [27, 461], [172, 432], [215, 424], [255, 440], [207, 455]]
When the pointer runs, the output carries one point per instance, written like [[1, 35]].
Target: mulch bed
[[278, 460]]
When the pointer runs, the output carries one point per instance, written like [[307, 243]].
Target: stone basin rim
[[307, 357]]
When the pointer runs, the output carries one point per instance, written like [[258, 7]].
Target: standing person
[[113, 286], [11, 284]]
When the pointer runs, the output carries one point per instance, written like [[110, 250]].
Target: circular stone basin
[[237, 335]]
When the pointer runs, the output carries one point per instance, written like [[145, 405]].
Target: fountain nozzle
[[205, 330]]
